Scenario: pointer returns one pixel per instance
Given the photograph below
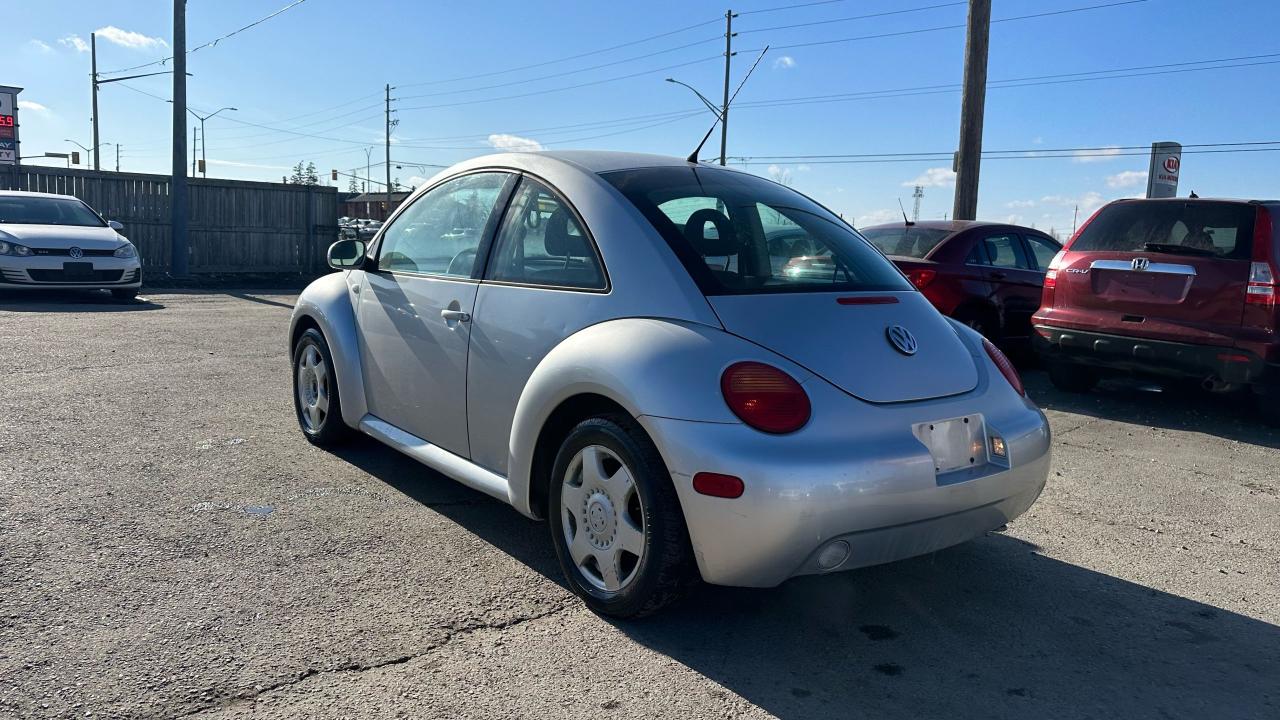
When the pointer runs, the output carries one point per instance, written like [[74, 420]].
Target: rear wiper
[[1178, 249]]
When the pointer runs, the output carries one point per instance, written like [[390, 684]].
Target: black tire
[[1268, 403], [330, 429], [1071, 377], [124, 293], [665, 570]]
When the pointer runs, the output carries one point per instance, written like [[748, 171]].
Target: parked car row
[[357, 228], [1179, 288]]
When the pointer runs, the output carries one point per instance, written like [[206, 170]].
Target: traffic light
[[75, 157], [335, 174], [200, 166]]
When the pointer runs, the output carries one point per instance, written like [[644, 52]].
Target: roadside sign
[[1162, 175], [9, 124]]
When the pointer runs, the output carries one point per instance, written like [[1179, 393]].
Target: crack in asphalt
[[452, 634]]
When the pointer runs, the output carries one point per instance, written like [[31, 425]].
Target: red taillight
[[1006, 367], [717, 485], [764, 397], [1051, 279], [921, 277], [1262, 273]]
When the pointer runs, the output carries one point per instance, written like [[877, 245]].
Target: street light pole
[[178, 182]]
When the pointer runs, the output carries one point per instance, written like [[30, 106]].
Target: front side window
[[740, 234], [1006, 252], [440, 233], [542, 243], [36, 210]]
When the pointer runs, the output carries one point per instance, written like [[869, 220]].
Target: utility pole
[[724, 107], [117, 157], [93, 53], [969, 158], [388, 212], [178, 183], [195, 143]]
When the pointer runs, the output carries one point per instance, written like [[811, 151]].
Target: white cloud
[[786, 62], [40, 46], [1012, 220], [416, 181], [514, 143], [933, 177], [1128, 178], [75, 42], [1014, 204], [32, 105], [1037, 140], [781, 175], [130, 39], [877, 217], [1092, 156]]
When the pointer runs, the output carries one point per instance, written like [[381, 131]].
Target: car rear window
[[914, 242], [741, 234], [1219, 229]]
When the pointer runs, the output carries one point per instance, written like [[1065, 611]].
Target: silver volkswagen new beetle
[[619, 343]]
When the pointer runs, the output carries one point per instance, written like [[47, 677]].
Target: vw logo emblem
[[1140, 264], [901, 339], [76, 252]]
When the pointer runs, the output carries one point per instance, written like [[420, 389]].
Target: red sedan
[[986, 275]]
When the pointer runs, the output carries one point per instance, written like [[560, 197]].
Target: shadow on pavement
[[70, 301], [1172, 406], [990, 628]]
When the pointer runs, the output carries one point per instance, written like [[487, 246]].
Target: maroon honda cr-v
[[1175, 288]]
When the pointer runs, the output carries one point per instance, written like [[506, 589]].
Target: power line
[[211, 43], [790, 7], [854, 17], [918, 31], [564, 59], [1094, 151], [1067, 153]]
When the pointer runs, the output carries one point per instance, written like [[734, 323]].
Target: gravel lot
[[170, 546]]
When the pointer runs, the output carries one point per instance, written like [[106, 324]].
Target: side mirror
[[346, 254], [115, 225]]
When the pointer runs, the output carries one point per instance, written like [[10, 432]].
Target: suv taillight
[[1051, 279], [1262, 273]]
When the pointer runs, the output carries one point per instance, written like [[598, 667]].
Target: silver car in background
[[604, 340], [57, 242]]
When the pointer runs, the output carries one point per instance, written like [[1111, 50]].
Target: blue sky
[[319, 69]]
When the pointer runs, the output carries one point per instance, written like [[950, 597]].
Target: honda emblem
[[1140, 264]]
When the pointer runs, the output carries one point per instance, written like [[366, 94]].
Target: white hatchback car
[[58, 242]]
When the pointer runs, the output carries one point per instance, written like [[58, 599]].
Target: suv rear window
[[914, 242], [739, 234], [1197, 227]]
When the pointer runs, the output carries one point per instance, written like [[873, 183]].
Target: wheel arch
[[326, 305], [559, 423]]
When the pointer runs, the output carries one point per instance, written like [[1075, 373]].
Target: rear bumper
[[1154, 357]]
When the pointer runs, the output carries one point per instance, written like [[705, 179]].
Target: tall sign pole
[[1162, 174], [93, 51], [178, 184], [387, 212], [969, 158]]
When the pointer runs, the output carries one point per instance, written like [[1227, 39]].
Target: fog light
[[833, 555], [997, 446]]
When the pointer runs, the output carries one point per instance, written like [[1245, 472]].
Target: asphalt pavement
[[170, 546]]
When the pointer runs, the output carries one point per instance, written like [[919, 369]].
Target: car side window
[[976, 256], [440, 233], [1006, 251], [1042, 250], [542, 243]]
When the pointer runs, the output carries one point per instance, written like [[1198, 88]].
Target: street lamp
[[718, 112], [94, 150], [203, 141]]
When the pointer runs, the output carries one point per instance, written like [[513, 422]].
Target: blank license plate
[[956, 443], [77, 269]]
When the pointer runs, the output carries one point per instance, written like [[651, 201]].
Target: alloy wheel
[[313, 388]]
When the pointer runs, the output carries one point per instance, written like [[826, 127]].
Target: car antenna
[[693, 156], [905, 221]]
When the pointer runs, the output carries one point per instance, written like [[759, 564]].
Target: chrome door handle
[[455, 316]]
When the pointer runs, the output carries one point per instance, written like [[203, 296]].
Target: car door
[[544, 282], [1015, 283], [416, 303]]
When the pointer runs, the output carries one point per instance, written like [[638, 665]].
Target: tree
[[299, 175], [352, 187], [312, 177]]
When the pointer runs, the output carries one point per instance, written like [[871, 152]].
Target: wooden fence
[[233, 226]]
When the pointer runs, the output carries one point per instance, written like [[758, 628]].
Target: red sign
[[1171, 164]]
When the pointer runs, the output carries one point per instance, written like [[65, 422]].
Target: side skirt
[[436, 458]]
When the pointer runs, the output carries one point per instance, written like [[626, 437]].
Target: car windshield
[[905, 240], [34, 210], [1219, 229], [741, 234]]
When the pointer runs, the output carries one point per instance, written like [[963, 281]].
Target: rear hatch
[[844, 338], [1172, 270]]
